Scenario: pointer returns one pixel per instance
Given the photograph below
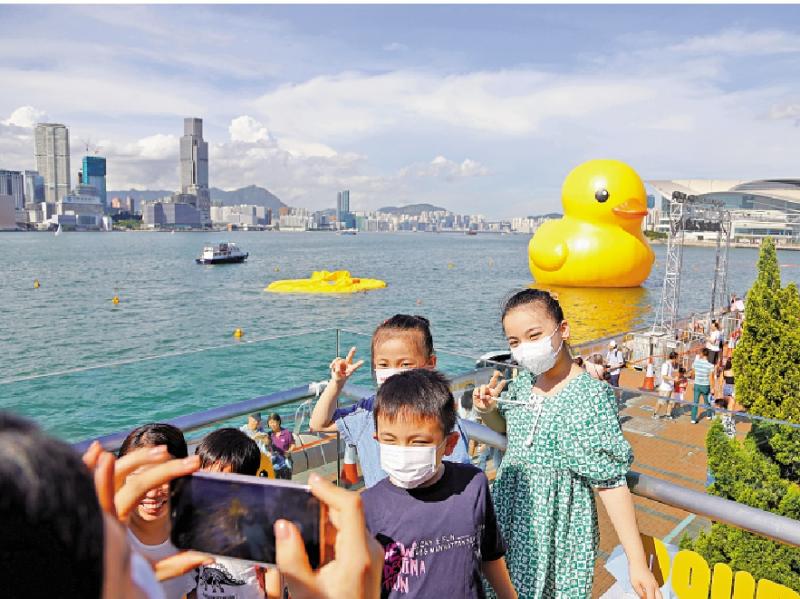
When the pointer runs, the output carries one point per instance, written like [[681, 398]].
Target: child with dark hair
[[149, 525], [401, 343], [564, 441], [434, 519], [230, 451]]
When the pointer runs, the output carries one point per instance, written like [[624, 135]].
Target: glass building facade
[[94, 173]]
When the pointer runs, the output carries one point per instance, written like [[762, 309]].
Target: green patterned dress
[[543, 491]]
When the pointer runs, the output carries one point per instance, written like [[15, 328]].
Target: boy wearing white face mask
[[434, 519], [400, 343]]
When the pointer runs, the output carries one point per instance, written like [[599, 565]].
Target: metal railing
[[773, 526]]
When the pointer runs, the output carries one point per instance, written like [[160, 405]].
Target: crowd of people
[[427, 524]]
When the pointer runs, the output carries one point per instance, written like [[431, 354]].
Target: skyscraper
[[12, 184], [94, 173], [34, 188], [194, 165], [52, 159]]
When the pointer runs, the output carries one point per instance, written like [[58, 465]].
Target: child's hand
[[485, 397], [341, 369], [644, 583]]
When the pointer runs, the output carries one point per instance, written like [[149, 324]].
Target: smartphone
[[233, 515]]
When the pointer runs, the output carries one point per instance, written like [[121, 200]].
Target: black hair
[[534, 296], [728, 364], [706, 352], [49, 514], [406, 323], [578, 361], [229, 447], [672, 355], [417, 393], [274, 416], [681, 370], [151, 435]]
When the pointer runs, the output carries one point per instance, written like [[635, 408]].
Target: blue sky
[[481, 109]]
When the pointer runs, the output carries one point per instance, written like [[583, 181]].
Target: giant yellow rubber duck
[[599, 241]]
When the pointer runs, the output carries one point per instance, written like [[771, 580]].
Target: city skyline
[[483, 107]]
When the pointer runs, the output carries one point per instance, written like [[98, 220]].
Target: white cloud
[[395, 47], [503, 103], [741, 42], [25, 117], [247, 129], [449, 170]]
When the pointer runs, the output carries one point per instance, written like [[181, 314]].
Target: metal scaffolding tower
[[683, 211], [719, 289], [667, 311]]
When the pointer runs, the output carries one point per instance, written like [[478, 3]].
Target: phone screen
[[233, 515]]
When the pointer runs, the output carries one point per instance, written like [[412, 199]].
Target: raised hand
[[343, 368], [119, 493], [484, 398]]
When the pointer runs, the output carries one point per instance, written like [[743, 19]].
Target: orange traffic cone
[[349, 473], [650, 376]]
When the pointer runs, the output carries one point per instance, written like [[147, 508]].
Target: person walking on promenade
[[701, 373], [564, 441], [614, 363], [667, 385], [713, 342]]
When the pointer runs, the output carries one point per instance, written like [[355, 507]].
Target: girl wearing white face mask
[[403, 342], [564, 440]]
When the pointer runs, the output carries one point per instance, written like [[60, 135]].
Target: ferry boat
[[222, 253], [348, 232]]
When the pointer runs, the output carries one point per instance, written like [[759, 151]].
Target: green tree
[[763, 471]]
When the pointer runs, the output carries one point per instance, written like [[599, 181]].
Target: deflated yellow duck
[[599, 241]]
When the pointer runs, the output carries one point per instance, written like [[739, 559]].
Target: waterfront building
[[82, 208], [34, 188], [13, 184], [52, 159], [243, 215], [761, 208], [194, 166], [94, 173], [121, 206], [295, 219], [344, 218], [8, 214], [156, 215]]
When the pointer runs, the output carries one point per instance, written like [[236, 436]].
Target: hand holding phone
[[234, 516], [355, 571]]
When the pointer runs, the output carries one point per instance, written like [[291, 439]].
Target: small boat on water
[[58, 231], [222, 253], [472, 232], [348, 232]]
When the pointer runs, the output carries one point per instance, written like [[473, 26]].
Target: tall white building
[[52, 159], [194, 165]]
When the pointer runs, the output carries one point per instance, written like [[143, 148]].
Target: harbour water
[[170, 305]]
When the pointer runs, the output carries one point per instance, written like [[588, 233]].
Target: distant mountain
[[549, 215], [252, 194], [411, 209]]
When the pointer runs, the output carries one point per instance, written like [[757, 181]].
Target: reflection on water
[[594, 313]]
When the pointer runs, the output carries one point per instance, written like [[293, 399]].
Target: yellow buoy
[[450, 265], [36, 284], [277, 269], [115, 300], [323, 281], [238, 333]]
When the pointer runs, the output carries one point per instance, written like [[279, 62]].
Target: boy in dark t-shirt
[[435, 520]]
